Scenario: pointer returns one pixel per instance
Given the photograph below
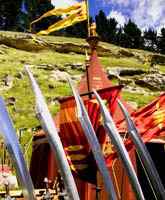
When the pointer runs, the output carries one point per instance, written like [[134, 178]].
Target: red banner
[[149, 121], [72, 135]]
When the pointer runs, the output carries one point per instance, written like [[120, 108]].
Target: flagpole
[[88, 19], [87, 59]]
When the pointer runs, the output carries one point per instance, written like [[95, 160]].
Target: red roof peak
[[95, 77]]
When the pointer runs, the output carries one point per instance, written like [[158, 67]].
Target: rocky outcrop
[[8, 80], [60, 76], [31, 42], [132, 77], [135, 89], [152, 81], [76, 66], [23, 41], [11, 101], [47, 67], [19, 75], [155, 59], [118, 71], [125, 53]]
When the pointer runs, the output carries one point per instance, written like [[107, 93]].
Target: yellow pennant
[[159, 116], [75, 14], [76, 157], [78, 167], [74, 148]]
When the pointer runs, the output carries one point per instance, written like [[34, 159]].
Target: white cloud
[[145, 13], [155, 9], [149, 13], [121, 19], [63, 3], [120, 2], [124, 3], [161, 25]]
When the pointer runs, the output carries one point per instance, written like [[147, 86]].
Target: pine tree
[[8, 12], [17, 14], [120, 37], [132, 35], [111, 30], [32, 7], [150, 39], [22, 20], [161, 41], [102, 24]]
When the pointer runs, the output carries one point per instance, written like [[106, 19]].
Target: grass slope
[[12, 62]]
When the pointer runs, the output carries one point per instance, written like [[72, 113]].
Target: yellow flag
[[75, 14]]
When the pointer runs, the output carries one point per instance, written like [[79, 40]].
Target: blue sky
[[145, 13]]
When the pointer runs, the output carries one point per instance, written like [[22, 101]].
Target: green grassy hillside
[[48, 54]]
